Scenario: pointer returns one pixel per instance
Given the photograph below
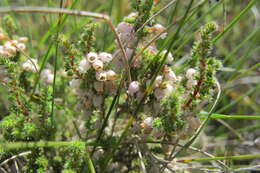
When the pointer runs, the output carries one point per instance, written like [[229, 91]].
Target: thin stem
[[239, 157]]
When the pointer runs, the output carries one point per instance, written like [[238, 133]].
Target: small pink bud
[[97, 65], [190, 73], [30, 65], [170, 76], [84, 66], [124, 27], [133, 88], [21, 46], [159, 93], [111, 75], [158, 80], [23, 39], [105, 57], [101, 76], [92, 57]]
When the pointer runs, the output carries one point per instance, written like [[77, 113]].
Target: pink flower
[[133, 88], [190, 73], [92, 57], [97, 65], [105, 57]]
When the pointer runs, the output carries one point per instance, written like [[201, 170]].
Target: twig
[[14, 157]]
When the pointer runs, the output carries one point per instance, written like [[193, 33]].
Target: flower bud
[[84, 66], [158, 80], [159, 93], [147, 125], [8, 47], [97, 65], [190, 73], [21, 46], [133, 88], [47, 76], [30, 65], [22, 39], [124, 27], [92, 57], [101, 76], [170, 76], [105, 57], [111, 75]]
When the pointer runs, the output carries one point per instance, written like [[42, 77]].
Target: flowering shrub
[[135, 94]]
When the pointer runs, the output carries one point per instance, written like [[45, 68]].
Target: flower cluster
[[11, 47]]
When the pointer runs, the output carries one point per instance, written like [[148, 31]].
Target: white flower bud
[[97, 65], [148, 122], [133, 88], [190, 73], [8, 47], [101, 76], [179, 78], [21, 46], [99, 87], [111, 75], [158, 28], [133, 14], [159, 93], [158, 80], [84, 66], [169, 57], [147, 125], [105, 57], [30, 65], [170, 76], [47, 76], [23, 39], [124, 27], [92, 57], [169, 89]]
